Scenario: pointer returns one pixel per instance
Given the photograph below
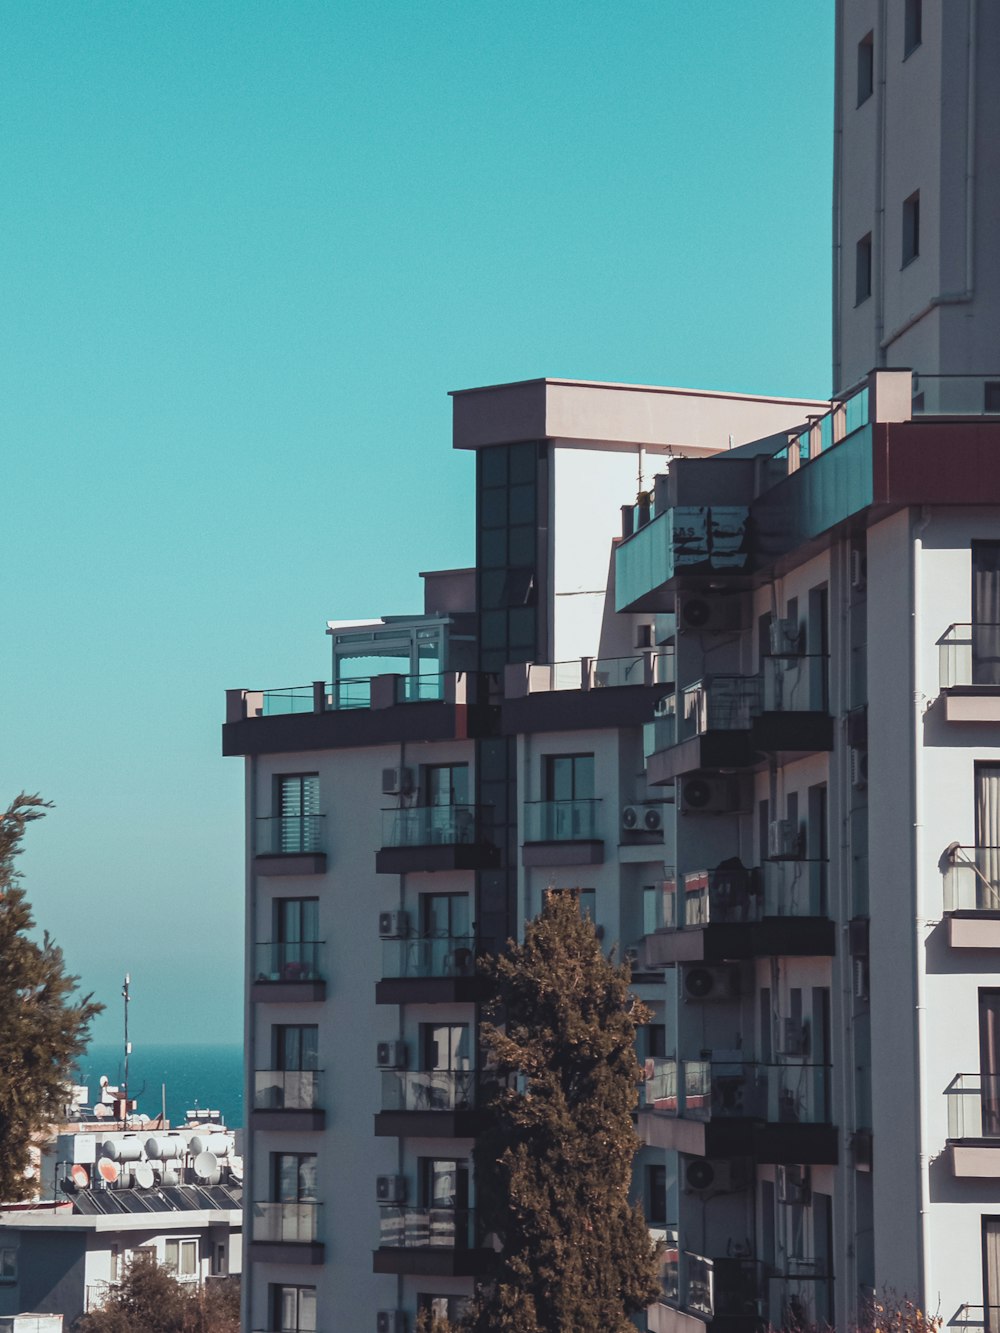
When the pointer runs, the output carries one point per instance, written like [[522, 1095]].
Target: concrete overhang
[[595, 415]]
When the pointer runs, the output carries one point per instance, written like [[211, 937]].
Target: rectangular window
[[444, 1183], [863, 269], [987, 854], [656, 1195], [296, 939], [569, 777], [444, 916], [991, 396], [298, 811], [8, 1264], [451, 1308], [912, 26], [911, 228], [180, 1257], [986, 613], [445, 1046], [446, 784], [296, 1046], [866, 67], [294, 1177], [294, 1309]]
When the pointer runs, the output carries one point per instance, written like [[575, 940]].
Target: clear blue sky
[[247, 250]]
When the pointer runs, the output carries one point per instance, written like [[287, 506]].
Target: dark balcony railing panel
[[972, 879], [435, 825], [796, 683], [719, 703], [562, 821], [291, 1223], [778, 1094], [298, 960], [425, 1228], [795, 888], [428, 1090], [286, 1090], [974, 1106], [287, 835], [430, 956]]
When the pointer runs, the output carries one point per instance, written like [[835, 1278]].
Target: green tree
[[43, 1025], [553, 1170], [151, 1300]]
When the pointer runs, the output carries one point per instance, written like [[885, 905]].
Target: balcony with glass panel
[[292, 970], [433, 1103], [586, 692], [562, 833], [436, 837], [793, 718], [432, 1242], [986, 1317], [287, 1099], [972, 896], [974, 1125], [726, 1106], [430, 969], [289, 1233], [969, 672], [290, 845]]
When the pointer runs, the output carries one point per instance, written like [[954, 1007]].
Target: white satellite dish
[[206, 1168], [144, 1176], [101, 1111]]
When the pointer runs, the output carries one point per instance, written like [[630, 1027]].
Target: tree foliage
[[150, 1300], [553, 1170], [43, 1024]]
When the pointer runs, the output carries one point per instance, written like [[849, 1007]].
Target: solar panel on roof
[[86, 1205], [133, 1202]]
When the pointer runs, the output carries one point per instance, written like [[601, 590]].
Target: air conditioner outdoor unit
[[397, 781], [786, 637], [391, 1321], [723, 1176], [710, 796], [393, 925], [784, 841], [642, 819], [794, 1037], [793, 1184], [390, 1189], [859, 569], [859, 768], [711, 984], [711, 615], [391, 1055]]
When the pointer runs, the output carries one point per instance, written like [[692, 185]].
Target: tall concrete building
[[727, 667], [917, 193]]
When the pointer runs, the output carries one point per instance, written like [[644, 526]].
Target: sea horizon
[[182, 1076]]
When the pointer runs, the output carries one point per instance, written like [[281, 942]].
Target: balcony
[[956, 395], [289, 971], [733, 911], [972, 896], [974, 1125], [584, 692], [977, 1316], [562, 833], [290, 845], [726, 1107], [431, 1103], [436, 837], [969, 672], [702, 1290], [286, 1233], [287, 1099], [433, 969], [432, 1242]]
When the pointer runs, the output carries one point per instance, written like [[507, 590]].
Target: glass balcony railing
[[597, 673], [969, 655], [719, 703], [434, 825], [296, 1222], [426, 1228], [353, 692], [803, 1299], [974, 1106], [795, 683], [414, 689], [659, 1089], [795, 888], [661, 732], [428, 1090], [730, 891], [287, 834], [561, 821], [286, 1089], [290, 699], [697, 1284], [430, 956], [295, 960], [972, 879], [670, 1277], [956, 395], [977, 1316], [778, 1094]]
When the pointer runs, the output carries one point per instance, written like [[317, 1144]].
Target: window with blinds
[[298, 812]]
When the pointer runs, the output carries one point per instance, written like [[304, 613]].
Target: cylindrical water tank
[[214, 1143], [167, 1148]]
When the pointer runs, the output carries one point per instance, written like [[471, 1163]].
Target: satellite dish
[[79, 1177], [206, 1168], [102, 1111], [104, 1080], [236, 1171], [144, 1176], [108, 1170]]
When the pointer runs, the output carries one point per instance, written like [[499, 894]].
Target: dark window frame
[[911, 228], [866, 67]]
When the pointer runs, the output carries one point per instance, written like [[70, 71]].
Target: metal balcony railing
[[977, 1316], [286, 1089], [974, 1106], [286, 835], [287, 1222], [426, 1228], [972, 879], [561, 821], [435, 825], [428, 1090], [430, 956], [295, 960]]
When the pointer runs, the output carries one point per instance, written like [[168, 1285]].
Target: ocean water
[[206, 1077]]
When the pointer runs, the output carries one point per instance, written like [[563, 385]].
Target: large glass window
[[298, 810], [569, 777], [296, 1046], [444, 1183], [294, 1309], [295, 1177], [180, 1257], [986, 613], [447, 784], [444, 915], [445, 1046]]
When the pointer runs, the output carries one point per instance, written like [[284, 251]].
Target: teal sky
[[247, 248]]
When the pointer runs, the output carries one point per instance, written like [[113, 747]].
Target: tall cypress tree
[[553, 1171], [43, 1028]]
